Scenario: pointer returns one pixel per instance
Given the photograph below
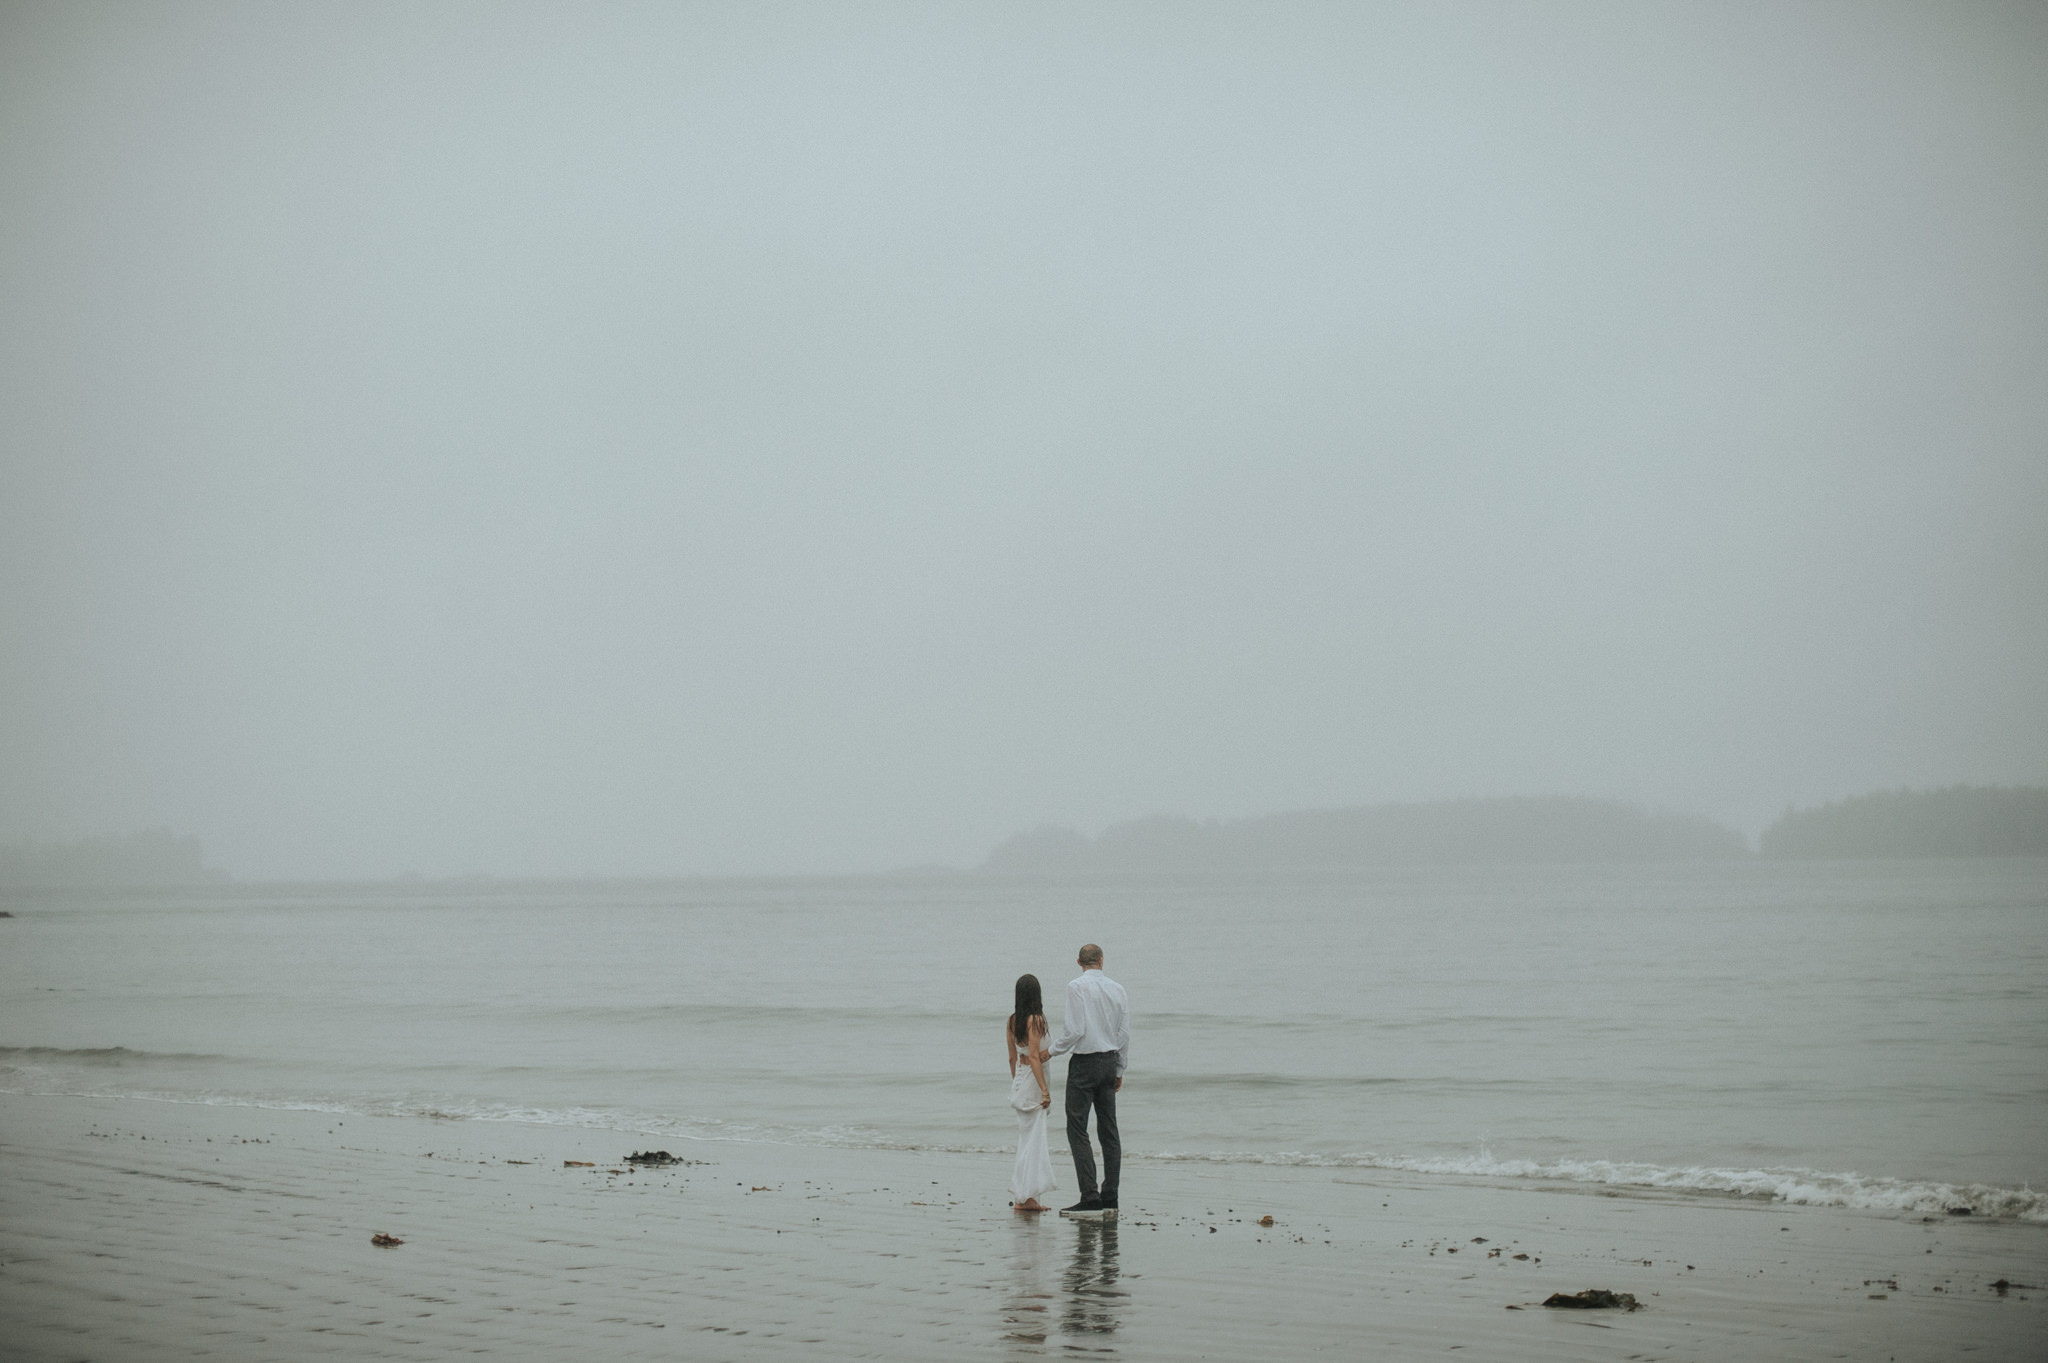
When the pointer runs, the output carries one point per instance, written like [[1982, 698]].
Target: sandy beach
[[135, 1230]]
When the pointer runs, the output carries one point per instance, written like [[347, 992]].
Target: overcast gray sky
[[667, 438]]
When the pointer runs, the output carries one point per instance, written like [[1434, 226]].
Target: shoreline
[[164, 1230], [1879, 1194]]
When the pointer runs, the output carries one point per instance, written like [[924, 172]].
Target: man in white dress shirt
[[1098, 1033]]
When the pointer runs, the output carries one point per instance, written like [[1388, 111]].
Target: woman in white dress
[[1030, 1095]]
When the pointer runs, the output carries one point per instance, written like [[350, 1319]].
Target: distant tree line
[[153, 857], [1960, 821], [1550, 828]]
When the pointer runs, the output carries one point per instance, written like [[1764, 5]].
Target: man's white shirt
[[1098, 1019]]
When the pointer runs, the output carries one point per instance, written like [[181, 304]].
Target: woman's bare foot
[[1029, 1204]]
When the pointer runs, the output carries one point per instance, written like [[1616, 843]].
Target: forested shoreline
[[1958, 821], [153, 857], [1553, 828]]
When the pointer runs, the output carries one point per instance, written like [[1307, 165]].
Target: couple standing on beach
[[1097, 1032]]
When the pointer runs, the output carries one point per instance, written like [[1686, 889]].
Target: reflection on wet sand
[[1083, 1304], [1027, 1309], [1093, 1300]]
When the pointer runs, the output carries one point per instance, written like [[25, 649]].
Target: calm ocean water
[[1868, 1034]]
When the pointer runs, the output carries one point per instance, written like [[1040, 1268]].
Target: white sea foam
[[580, 1118], [1803, 1187]]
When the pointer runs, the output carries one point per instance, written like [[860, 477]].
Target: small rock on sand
[[383, 1241]]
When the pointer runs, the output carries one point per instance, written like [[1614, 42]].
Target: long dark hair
[[1030, 1004]]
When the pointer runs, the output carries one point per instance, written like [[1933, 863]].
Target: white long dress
[[1032, 1175]]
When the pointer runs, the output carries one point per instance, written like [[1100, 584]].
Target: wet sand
[[139, 1230]]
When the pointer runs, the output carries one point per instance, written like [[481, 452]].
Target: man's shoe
[[1108, 1201], [1087, 1206]]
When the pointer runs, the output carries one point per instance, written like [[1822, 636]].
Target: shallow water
[[1863, 1033]]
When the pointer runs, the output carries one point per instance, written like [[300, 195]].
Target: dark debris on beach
[[1594, 1299]]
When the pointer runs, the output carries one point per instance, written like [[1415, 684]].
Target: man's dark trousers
[[1091, 1082]]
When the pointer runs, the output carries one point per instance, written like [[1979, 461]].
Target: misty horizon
[[646, 440], [1531, 830]]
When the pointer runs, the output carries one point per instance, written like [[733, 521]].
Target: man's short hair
[[1091, 957]]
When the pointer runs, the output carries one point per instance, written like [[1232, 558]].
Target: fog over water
[[759, 439]]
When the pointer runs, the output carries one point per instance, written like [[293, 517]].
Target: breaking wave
[[1801, 1187], [14, 1056], [443, 1110]]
